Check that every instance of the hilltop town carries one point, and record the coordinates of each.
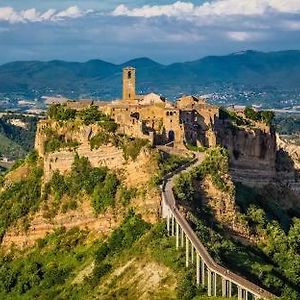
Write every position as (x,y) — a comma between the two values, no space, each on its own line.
(131,181)
(190,122)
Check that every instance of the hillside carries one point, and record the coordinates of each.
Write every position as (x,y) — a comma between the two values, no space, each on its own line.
(240,77)
(80,217)
(17,133)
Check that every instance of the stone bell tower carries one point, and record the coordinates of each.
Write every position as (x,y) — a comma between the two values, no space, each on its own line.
(129,84)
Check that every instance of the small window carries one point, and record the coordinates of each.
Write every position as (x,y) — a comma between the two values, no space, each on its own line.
(129,75)
(129,96)
(167,113)
(171,113)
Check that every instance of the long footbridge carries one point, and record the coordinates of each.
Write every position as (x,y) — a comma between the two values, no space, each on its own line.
(218,280)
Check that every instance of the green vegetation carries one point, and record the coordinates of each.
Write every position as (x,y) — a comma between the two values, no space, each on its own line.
(20,198)
(90,115)
(132,147)
(126,194)
(61,113)
(196,148)
(250,114)
(231,115)
(101,138)
(15,141)
(48,270)
(274,261)
(104,193)
(55,141)
(215,165)
(167,163)
(10,149)
(99,183)
(287,124)
(263,115)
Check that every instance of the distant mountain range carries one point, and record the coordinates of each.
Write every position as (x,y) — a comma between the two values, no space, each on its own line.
(264,73)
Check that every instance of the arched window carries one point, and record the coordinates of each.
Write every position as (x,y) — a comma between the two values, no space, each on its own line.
(129,75)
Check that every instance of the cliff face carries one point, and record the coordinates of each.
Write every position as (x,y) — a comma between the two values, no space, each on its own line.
(252,152)
(133,173)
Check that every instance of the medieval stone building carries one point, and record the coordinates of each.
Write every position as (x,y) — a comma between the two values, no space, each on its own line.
(188,120)
(191,120)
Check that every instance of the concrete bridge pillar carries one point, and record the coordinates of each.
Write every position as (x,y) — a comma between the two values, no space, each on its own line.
(177,235)
(197,269)
(240,293)
(202,272)
(173,225)
(168,224)
(215,283)
(192,253)
(208,283)
(186,251)
(246,295)
(224,287)
(229,289)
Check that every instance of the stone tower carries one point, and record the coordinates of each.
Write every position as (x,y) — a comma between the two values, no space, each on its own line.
(129,84)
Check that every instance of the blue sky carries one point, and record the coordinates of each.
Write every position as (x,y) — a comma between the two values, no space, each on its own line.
(166,31)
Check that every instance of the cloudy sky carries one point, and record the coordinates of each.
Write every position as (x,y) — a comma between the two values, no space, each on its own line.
(164,30)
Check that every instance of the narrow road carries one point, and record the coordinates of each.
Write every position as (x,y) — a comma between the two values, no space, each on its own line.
(200,248)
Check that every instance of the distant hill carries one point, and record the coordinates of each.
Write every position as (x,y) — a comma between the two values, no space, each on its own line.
(245,70)
(15,141)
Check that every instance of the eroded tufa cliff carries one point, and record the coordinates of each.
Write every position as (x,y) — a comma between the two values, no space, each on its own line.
(252,151)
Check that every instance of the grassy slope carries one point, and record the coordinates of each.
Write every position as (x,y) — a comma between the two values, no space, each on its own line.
(60,267)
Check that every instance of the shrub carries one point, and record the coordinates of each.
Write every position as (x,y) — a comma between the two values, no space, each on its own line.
(101,138)
(215,164)
(104,193)
(20,198)
(132,147)
(61,113)
(186,289)
(264,115)
(108,125)
(126,194)
(91,115)
(55,141)
(184,189)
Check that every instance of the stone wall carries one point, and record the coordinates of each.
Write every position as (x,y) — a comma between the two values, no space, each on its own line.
(62,161)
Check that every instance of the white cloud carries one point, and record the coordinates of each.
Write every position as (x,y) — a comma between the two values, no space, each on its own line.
(292,25)
(240,36)
(71,12)
(32,15)
(181,9)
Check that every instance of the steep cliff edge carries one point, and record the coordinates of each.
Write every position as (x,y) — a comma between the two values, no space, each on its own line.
(134,166)
(252,148)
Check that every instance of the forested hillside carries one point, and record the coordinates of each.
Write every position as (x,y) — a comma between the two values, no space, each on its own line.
(16,141)
(265,77)
(248,230)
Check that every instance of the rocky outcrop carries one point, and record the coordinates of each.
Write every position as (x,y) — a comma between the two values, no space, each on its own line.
(252,152)
(62,161)
(83,217)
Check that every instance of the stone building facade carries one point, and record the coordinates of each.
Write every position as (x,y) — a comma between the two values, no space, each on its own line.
(188,120)
(191,120)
